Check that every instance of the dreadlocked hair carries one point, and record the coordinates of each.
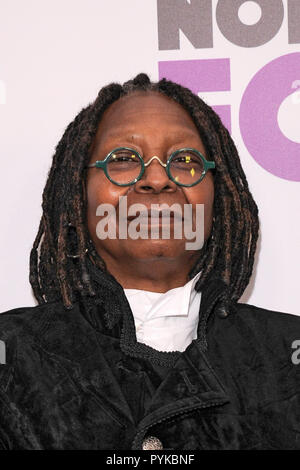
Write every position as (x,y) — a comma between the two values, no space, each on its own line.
(58,259)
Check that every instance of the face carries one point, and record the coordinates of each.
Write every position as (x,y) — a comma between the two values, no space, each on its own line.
(151,124)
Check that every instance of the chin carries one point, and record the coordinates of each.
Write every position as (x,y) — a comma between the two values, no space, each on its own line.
(160,248)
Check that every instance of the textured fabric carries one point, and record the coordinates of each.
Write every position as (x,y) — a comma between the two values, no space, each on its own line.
(78,379)
(166,321)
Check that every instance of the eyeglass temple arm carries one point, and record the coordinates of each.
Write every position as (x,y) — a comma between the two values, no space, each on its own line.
(97,164)
(210,165)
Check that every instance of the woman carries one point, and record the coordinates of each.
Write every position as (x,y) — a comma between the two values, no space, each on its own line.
(139,342)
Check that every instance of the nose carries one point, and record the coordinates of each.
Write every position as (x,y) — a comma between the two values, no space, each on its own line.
(155,178)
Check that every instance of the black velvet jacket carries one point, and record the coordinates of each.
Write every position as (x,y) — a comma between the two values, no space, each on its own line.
(78,379)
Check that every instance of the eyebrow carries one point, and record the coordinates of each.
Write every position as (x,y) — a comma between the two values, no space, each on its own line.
(129,133)
(180,133)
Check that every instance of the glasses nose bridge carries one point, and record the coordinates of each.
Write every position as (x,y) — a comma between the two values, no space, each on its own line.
(155,157)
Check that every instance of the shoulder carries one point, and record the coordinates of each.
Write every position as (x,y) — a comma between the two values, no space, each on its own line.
(34,340)
(48,329)
(254,314)
(266,326)
(27,321)
(49,326)
(258,342)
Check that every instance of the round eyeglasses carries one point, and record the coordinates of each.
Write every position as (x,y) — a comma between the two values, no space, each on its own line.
(124,166)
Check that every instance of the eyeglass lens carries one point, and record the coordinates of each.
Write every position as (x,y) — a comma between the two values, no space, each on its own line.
(123,166)
(186,167)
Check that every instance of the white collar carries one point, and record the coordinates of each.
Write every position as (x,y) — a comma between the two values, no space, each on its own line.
(174,302)
(166,321)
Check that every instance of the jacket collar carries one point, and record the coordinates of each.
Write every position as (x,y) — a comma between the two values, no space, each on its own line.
(189,384)
(114,313)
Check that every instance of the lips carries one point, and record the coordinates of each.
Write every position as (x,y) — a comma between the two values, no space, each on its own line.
(156,215)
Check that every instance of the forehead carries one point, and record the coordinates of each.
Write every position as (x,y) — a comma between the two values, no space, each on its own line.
(145,111)
(146,103)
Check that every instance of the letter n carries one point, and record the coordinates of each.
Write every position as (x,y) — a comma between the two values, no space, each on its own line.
(193,18)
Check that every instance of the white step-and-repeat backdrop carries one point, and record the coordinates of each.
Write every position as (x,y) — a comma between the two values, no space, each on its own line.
(242,57)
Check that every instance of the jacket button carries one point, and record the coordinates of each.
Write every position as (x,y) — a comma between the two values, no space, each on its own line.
(152,443)
(222,312)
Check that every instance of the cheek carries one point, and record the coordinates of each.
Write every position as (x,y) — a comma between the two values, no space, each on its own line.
(203,194)
(97,192)
(101,191)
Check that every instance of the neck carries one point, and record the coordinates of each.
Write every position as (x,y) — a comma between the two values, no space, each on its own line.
(154,275)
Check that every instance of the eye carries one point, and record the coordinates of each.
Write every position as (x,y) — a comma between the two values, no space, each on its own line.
(123,155)
(187,159)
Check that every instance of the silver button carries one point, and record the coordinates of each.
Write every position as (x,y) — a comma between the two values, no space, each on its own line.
(152,443)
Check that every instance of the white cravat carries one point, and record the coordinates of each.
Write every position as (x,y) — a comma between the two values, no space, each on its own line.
(166,321)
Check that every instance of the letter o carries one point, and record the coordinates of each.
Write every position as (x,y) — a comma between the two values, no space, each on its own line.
(249,35)
(258,117)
